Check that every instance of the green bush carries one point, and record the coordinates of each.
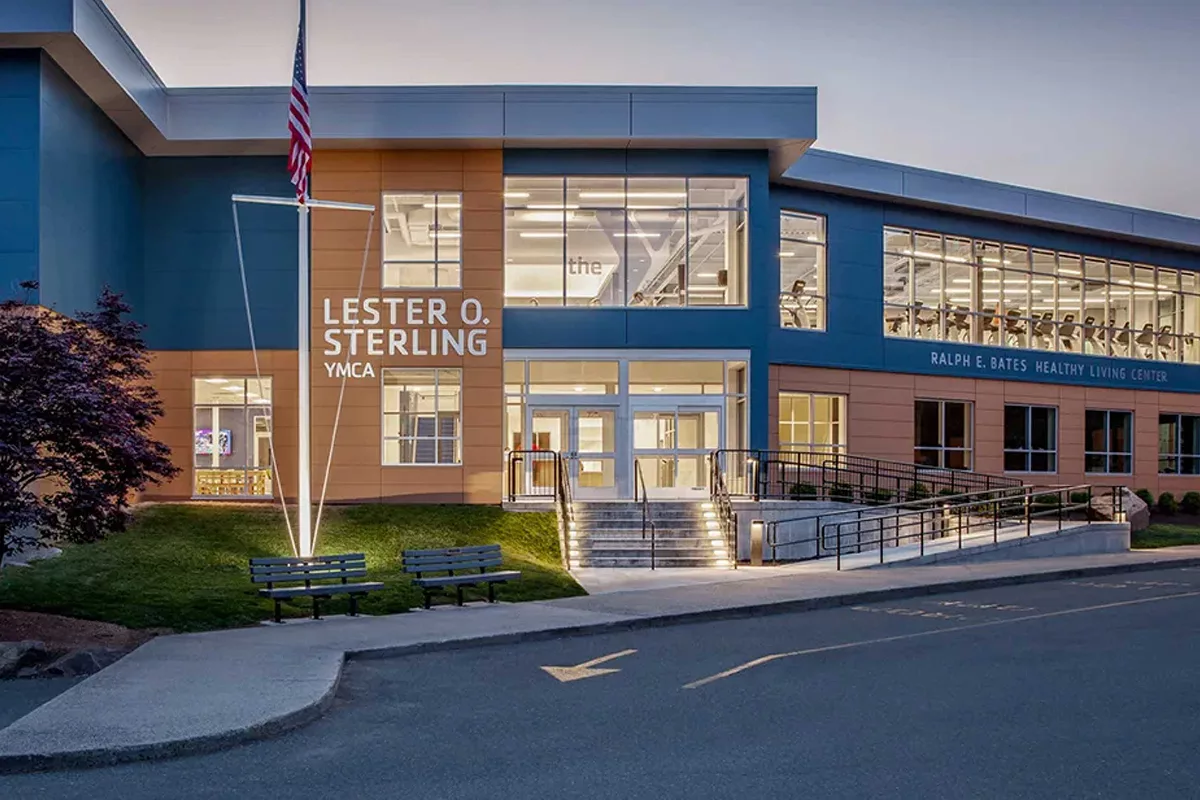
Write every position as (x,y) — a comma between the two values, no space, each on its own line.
(879,496)
(1047,500)
(1190,504)
(1146,497)
(948,492)
(1079,498)
(803,491)
(918,491)
(1167,504)
(841,491)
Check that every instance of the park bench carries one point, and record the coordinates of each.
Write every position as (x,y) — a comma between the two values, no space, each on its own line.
(317,574)
(465,566)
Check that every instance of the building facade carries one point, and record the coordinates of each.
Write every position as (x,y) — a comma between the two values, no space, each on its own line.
(635,277)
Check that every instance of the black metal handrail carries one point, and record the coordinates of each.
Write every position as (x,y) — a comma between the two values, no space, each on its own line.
(819,474)
(566,508)
(642,497)
(533,474)
(942,518)
(726,517)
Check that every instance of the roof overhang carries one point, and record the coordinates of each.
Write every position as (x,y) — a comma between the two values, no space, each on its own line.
(84,39)
(864,177)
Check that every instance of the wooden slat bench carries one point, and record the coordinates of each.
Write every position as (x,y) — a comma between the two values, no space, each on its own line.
(313,573)
(471,564)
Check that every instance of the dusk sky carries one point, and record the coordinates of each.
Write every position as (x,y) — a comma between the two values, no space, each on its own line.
(1099,98)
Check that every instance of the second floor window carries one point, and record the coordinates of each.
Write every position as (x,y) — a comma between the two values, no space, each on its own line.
(625,241)
(802,292)
(959,289)
(422,247)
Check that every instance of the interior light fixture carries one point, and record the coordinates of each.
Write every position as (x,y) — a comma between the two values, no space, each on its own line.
(516,195)
(215,380)
(543,235)
(450,204)
(641,195)
(552,206)
(637,235)
(579,388)
(445,235)
(658,388)
(786,254)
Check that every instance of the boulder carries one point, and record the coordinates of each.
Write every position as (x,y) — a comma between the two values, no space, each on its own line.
(78,663)
(15,656)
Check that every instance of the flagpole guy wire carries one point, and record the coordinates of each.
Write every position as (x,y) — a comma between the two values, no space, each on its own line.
(305,470)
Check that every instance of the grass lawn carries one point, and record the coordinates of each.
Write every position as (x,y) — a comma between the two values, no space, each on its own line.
(184,566)
(1161,535)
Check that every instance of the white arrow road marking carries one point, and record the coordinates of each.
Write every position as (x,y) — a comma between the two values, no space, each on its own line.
(587,669)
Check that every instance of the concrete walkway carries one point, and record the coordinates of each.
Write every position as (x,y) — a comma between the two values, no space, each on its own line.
(197,692)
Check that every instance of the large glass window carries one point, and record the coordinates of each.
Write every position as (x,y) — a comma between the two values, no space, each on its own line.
(959,289)
(802,292)
(231,449)
(422,416)
(422,247)
(812,422)
(616,241)
(942,434)
(1178,444)
(1108,442)
(1030,439)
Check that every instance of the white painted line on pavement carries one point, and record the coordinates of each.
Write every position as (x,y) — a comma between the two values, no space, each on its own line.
(848,645)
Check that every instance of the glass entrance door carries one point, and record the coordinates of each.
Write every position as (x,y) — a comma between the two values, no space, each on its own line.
(671,445)
(586,438)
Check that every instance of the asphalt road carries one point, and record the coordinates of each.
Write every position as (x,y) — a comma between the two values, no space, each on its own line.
(1075,689)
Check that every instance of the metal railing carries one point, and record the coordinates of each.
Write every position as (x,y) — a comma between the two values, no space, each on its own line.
(533,474)
(643,498)
(566,511)
(544,475)
(727,518)
(966,518)
(817,474)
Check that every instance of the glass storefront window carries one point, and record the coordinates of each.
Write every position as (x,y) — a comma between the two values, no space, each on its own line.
(422,240)
(422,410)
(616,241)
(1030,439)
(676,377)
(573,377)
(958,289)
(231,450)
(802,270)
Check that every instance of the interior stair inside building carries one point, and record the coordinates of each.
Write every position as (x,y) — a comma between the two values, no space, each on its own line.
(610,534)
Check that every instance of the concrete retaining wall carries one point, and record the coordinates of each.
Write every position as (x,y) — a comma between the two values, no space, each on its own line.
(1101,537)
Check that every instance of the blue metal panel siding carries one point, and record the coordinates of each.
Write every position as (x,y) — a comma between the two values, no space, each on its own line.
(90,227)
(855,340)
(193,291)
(718,328)
(18,170)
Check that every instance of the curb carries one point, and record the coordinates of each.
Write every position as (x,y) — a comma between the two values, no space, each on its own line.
(102,757)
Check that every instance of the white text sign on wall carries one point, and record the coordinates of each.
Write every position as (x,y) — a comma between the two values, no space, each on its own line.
(374,327)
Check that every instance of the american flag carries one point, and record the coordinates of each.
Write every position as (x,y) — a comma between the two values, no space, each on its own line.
(300,150)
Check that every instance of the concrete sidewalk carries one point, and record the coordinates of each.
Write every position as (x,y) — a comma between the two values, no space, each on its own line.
(198,692)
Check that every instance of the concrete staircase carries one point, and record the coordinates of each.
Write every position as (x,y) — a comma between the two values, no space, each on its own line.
(609,534)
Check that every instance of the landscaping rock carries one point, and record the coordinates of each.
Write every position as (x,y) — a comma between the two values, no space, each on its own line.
(14,656)
(78,663)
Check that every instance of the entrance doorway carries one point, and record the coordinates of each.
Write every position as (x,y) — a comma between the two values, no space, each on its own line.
(587,439)
(611,414)
(671,445)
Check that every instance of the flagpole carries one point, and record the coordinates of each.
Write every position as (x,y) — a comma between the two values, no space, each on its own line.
(304,346)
